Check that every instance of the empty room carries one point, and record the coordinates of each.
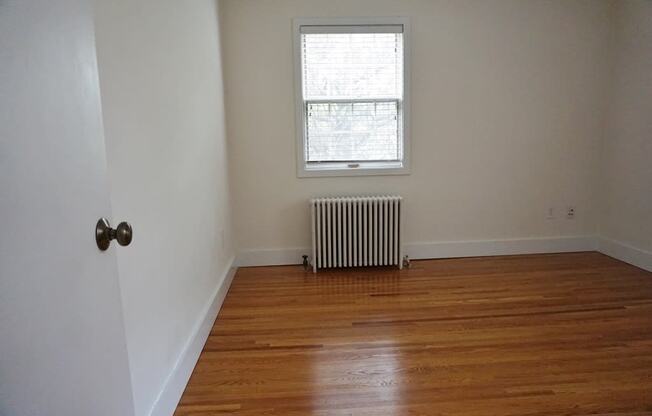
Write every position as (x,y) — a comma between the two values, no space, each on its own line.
(326,207)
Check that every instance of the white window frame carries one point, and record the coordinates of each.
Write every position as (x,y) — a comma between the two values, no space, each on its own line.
(347,169)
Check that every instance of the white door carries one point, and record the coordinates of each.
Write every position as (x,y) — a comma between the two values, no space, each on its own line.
(62,339)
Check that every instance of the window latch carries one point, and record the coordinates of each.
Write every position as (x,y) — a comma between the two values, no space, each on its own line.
(353,165)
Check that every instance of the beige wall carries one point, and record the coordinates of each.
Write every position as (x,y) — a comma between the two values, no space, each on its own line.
(161,82)
(507,109)
(627,153)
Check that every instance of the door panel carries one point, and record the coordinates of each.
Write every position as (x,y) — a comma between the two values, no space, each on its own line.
(62,339)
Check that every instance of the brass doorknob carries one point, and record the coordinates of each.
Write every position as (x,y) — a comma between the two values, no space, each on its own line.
(123,234)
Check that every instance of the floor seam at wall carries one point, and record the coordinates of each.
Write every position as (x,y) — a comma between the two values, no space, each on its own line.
(626,252)
(440,249)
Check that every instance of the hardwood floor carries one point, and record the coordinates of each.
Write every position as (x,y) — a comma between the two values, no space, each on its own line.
(556,334)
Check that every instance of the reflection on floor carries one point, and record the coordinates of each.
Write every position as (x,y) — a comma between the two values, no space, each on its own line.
(547,334)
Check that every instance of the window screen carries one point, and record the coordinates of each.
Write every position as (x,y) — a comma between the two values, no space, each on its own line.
(352,85)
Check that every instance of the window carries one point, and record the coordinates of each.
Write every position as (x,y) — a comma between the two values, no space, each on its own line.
(352,102)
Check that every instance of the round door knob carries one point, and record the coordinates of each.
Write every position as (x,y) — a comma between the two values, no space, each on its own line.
(123,234)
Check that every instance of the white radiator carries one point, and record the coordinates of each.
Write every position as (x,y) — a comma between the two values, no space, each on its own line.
(356,231)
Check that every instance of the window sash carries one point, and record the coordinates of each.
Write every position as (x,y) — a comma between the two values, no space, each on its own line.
(371,28)
(398,140)
(351,58)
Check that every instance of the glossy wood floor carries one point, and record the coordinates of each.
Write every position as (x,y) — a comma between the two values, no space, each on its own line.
(560,334)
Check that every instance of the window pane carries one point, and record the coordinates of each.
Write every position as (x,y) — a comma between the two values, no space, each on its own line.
(352,65)
(353,131)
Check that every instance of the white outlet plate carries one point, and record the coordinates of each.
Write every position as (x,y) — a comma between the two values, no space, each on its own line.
(570,212)
(550,215)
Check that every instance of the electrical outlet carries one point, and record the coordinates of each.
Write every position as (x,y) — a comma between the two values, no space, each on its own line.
(570,212)
(551,213)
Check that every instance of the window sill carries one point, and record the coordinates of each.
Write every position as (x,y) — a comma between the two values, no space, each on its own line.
(343,169)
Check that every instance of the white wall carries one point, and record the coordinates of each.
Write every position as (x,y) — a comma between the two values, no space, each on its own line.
(627,153)
(162,99)
(508,103)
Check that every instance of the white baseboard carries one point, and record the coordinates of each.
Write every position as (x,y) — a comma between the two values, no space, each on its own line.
(437,250)
(168,399)
(450,249)
(625,252)
(272,257)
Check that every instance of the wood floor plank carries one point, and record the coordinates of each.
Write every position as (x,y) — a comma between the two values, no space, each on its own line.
(553,334)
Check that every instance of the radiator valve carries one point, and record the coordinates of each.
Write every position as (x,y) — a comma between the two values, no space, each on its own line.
(406,262)
(306,263)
